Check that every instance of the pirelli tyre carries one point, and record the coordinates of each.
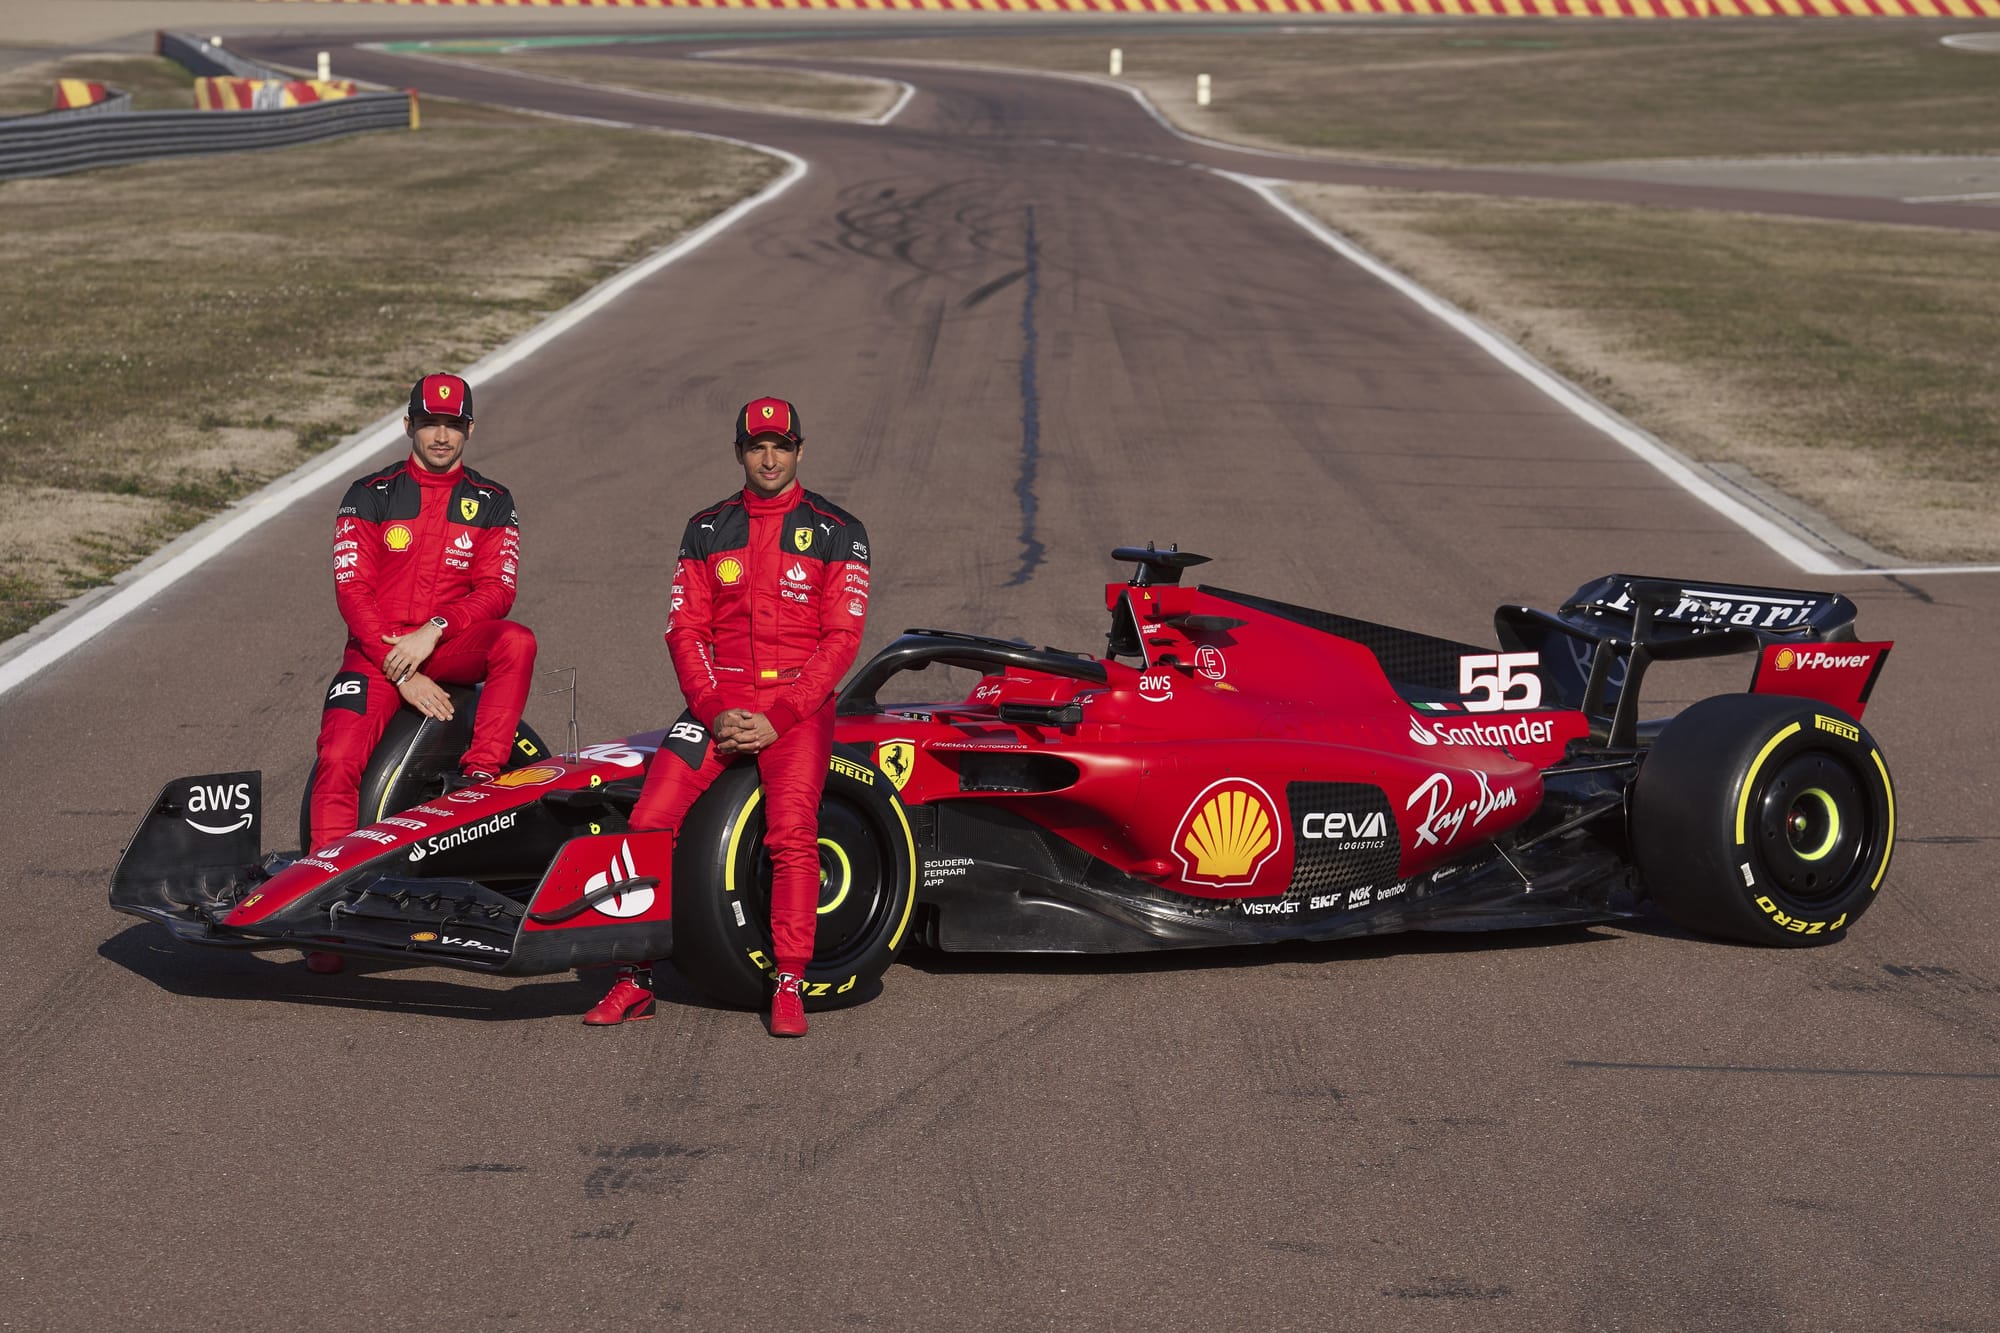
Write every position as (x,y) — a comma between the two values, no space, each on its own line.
(722,888)
(1764,818)
(413,758)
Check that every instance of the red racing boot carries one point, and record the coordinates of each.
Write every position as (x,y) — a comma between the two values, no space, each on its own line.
(630,999)
(788,1009)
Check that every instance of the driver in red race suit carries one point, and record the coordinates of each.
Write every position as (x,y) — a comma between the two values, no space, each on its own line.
(769,601)
(424,561)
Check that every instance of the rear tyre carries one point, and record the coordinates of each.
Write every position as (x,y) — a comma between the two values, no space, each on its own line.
(722,889)
(1764,818)
(414,757)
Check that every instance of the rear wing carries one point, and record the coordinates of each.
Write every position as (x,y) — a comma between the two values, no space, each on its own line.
(1595,648)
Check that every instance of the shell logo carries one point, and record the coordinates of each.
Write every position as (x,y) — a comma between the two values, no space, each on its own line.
(528,777)
(1787,659)
(424,937)
(729,571)
(1229,831)
(397,537)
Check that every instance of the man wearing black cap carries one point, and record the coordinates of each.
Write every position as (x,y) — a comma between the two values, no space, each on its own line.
(769,601)
(425,555)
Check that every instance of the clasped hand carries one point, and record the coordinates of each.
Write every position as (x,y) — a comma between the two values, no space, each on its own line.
(740,731)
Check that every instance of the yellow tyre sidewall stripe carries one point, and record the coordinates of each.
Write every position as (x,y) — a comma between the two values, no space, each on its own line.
(729,884)
(1889,841)
(1750,778)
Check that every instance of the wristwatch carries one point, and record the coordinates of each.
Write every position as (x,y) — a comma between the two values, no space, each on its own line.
(441,623)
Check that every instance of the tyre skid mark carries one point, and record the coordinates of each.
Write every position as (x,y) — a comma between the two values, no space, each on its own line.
(1031,414)
(1803,1070)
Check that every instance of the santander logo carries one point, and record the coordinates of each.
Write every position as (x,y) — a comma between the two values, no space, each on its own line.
(633,902)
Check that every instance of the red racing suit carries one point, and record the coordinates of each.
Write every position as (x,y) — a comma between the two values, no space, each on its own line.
(409,544)
(769,601)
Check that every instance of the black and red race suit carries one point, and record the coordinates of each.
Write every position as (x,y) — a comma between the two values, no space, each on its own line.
(409,544)
(769,601)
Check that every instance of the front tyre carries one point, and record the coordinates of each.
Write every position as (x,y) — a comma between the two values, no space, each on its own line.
(722,889)
(1764,818)
(416,754)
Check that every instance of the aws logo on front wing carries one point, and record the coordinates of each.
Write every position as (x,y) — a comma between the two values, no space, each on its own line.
(1229,831)
(226,807)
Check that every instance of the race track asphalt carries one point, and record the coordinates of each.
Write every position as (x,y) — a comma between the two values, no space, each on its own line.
(1605,1128)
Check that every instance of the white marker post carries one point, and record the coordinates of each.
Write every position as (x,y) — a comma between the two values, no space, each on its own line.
(325,67)
(1201,90)
(1117,61)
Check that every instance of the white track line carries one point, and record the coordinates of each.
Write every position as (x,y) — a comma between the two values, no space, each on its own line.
(1099,81)
(1884,571)
(648,95)
(1949,198)
(751,53)
(1773,528)
(69,630)
(1776,532)
(1766,526)
(1770,527)
(1593,413)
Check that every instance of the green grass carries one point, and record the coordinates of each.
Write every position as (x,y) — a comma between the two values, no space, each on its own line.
(1549,92)
(149,375)
(23,601)
(1849,365)
(156,84)
(823,94)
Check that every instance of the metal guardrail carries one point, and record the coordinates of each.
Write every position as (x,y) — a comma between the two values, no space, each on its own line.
(105,141)
(55,143)
(117,104)
(208,60)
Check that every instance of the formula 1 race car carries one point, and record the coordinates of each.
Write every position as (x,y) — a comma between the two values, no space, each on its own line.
(1232,770)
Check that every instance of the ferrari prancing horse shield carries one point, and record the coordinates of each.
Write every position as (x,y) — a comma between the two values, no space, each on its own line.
(897,759)
(802,538)
(468,509)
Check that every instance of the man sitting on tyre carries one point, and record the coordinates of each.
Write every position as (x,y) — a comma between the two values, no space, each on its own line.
(425,555)
(769,601)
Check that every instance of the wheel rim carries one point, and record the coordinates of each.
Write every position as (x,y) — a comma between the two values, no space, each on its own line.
(836,876)
(1812,828)
(856,892)
(1813,824)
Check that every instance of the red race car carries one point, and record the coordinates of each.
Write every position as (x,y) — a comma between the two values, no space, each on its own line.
(1232,770)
